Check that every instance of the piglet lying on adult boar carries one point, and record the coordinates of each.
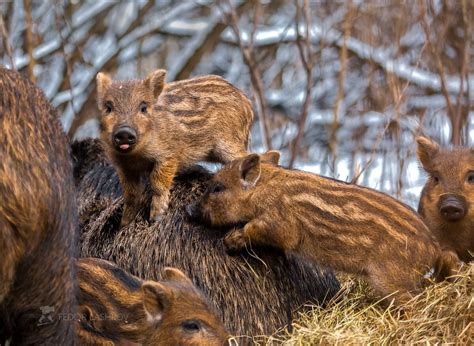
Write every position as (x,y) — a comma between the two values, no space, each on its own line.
(344,226)
(254,295)
(446,202)
(37,218)
(117,307)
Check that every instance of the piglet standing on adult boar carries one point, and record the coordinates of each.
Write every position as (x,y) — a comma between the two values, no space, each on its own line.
(343,226)
(155,129)
(446,202)
(37,218)
(116,307)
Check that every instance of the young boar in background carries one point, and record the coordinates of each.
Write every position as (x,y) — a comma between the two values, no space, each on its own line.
(340,225)
(154,129)
(37,218)
(446,202)
(116,307)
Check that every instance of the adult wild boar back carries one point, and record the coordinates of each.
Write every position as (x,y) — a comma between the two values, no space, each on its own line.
(37,218)
(254,294)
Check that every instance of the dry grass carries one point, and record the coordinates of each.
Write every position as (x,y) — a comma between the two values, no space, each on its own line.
(442,314)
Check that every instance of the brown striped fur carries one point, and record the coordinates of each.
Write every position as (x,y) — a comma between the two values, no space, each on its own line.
(450,183)
(337,224)
(37,217)
(118,308)
(204,118)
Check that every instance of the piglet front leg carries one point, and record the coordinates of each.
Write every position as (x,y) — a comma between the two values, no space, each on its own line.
(262,231)
(132,189)
(161,180)
(253,233)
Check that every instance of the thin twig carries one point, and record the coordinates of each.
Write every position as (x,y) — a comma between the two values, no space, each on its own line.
(305,52)
(29,39)
(256,79)
(67,61)
(441,72)
(6,42)
(340,86)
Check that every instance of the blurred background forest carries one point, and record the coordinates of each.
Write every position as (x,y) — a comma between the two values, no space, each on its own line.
(340,87)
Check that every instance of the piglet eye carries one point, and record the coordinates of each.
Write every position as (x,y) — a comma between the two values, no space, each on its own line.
(217,188)
(470,177)
(108,107)
(191,326)
(143,107)
(435,179)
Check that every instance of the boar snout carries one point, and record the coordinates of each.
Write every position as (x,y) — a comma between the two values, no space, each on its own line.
(452,207)
(124,138)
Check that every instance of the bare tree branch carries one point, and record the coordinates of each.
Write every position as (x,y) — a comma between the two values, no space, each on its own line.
(6,42)
(54,45)
(256,79)
(304,49)
(29,39)
(347,26)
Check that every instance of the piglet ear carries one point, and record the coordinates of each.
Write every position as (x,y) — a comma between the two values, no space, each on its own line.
(103,83)
(156,82)
(173,274)
(156,298)
(427,150)
(271,156)
(250,170)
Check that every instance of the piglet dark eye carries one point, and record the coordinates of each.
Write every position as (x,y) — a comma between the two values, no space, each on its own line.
(191,326)
(108,107)
(217,188)
(470,177)
(435,178)
(143,107)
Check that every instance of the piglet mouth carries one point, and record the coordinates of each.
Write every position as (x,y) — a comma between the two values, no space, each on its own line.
(124,147)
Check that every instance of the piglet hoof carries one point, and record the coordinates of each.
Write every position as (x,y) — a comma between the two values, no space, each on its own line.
(127,217)
(157,215)
(156,218)
(124,223)
(159,205)
(235,241)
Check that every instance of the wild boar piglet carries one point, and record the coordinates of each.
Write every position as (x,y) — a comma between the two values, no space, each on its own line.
(117,307)
(446,202)
(153,129)
(344,226)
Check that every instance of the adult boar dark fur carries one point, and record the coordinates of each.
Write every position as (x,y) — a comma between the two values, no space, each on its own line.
(254,295)
(37,218)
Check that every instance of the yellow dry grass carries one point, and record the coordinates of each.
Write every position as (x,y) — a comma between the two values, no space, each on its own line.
(442,314)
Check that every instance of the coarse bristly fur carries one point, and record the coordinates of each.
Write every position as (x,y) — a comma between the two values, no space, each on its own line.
(447,199)
(155,129)
(255,294)
(37,218)
(344,226)
(116,307)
